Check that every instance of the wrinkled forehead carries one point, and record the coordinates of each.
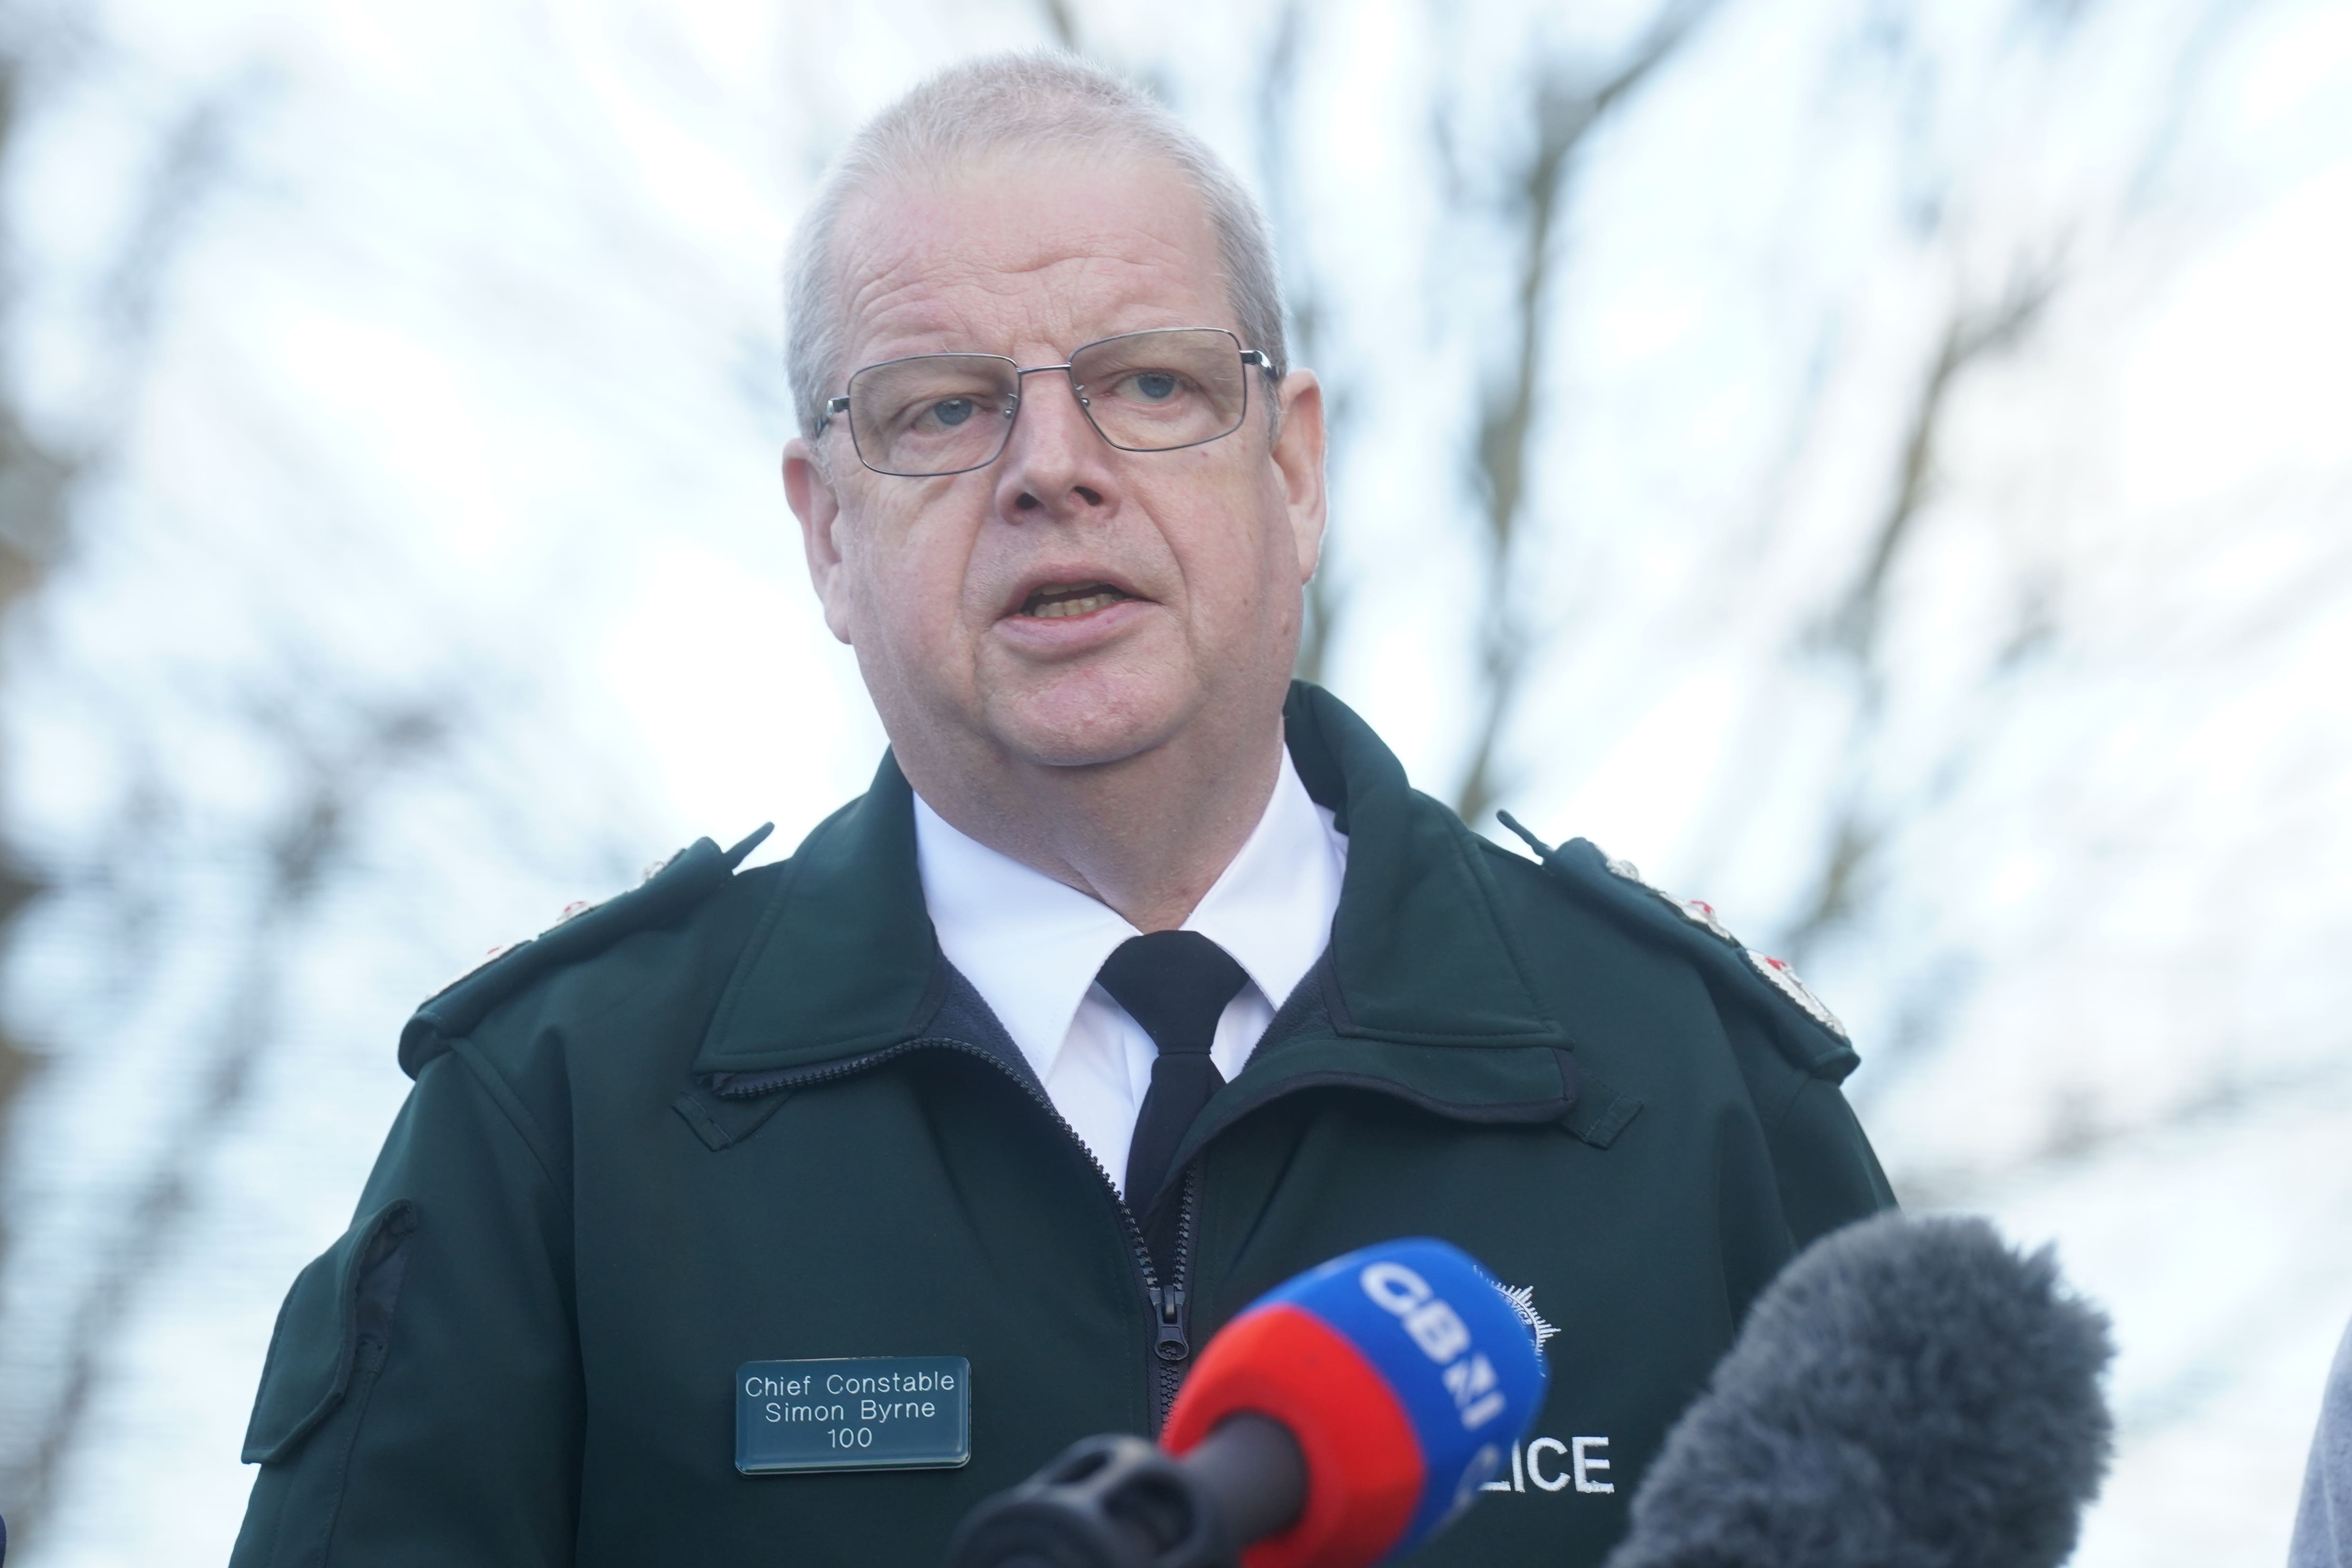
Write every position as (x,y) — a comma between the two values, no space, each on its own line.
(1027,254)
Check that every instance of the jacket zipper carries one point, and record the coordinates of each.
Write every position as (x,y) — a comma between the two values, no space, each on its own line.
(1170,1303)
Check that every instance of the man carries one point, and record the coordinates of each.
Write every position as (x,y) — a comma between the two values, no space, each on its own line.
(1137,982)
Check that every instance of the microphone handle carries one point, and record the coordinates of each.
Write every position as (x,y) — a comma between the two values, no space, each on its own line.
(1120,1502)
(1252,1470)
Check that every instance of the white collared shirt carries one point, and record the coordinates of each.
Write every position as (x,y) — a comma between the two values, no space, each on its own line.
(1032,946)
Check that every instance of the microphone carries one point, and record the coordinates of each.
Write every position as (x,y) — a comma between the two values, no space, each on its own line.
(1340,1420)
(1907,1392)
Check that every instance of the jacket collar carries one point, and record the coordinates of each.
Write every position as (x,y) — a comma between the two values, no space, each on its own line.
(843,960)
(1419,953)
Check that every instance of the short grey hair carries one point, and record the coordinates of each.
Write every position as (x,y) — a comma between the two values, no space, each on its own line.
(1038,100)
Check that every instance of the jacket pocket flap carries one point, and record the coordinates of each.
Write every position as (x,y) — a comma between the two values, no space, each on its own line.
(343,1299)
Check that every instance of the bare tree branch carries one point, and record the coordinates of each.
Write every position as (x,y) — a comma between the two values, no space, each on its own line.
(1062,18)
(1305,297)
(2079,1135)
(38,479)
(36,482)
(192,159)
(300,850)
(1976,332)
(1566,106)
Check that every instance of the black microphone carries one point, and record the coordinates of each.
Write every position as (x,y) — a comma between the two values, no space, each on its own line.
(1907,1392)
(1123,1503)
(1340,1420)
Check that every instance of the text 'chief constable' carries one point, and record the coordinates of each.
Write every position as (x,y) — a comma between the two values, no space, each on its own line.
(777,1217)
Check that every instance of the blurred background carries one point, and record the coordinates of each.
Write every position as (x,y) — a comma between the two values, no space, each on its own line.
(1883,465)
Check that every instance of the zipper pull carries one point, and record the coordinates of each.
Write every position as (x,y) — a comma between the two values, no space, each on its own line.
(1170,1343)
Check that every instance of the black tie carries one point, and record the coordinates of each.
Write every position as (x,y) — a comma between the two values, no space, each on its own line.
(1176,984)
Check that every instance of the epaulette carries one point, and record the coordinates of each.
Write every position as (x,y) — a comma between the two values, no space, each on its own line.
(669,890)
(1808,1033)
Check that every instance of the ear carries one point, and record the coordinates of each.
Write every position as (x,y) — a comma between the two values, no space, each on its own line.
(1299,457)
(818,506)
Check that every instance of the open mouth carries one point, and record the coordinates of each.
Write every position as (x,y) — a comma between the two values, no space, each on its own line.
(1058,601)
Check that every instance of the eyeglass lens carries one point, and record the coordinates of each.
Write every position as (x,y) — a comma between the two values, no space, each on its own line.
(1144,391)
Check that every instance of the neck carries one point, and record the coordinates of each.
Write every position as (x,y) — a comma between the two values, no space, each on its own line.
(1148,835)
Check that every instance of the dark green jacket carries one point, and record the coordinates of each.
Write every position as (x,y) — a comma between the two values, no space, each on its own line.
(729,1118)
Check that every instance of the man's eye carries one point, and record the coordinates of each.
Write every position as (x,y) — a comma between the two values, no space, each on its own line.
(1152,385)
(953,411)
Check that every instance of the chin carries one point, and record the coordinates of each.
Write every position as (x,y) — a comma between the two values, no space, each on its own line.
(1080,719)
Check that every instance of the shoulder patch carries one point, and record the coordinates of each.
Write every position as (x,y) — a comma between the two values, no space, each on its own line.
(1813,1038)
(669,890)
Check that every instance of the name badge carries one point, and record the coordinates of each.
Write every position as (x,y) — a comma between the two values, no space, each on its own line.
(860,1413)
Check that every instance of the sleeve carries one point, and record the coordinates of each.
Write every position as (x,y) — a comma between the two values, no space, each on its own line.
(420,1402)
(1829,1175)
(1824,1173)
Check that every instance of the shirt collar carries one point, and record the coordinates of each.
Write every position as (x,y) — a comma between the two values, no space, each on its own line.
(1031,946)
(840,958)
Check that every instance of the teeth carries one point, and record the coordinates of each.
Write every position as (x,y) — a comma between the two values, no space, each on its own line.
(1060,608)
(1056,603)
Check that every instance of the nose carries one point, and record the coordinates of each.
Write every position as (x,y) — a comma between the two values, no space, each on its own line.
(1054,468)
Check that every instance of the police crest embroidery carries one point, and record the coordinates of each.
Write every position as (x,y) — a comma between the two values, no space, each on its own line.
(1522,1298)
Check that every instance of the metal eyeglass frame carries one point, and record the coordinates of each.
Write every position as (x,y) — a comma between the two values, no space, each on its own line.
(838,407)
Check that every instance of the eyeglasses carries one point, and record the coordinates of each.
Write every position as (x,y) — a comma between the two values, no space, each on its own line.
(931,415)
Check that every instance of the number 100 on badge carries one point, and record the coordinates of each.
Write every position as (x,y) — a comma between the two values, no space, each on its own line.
(860,1413)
